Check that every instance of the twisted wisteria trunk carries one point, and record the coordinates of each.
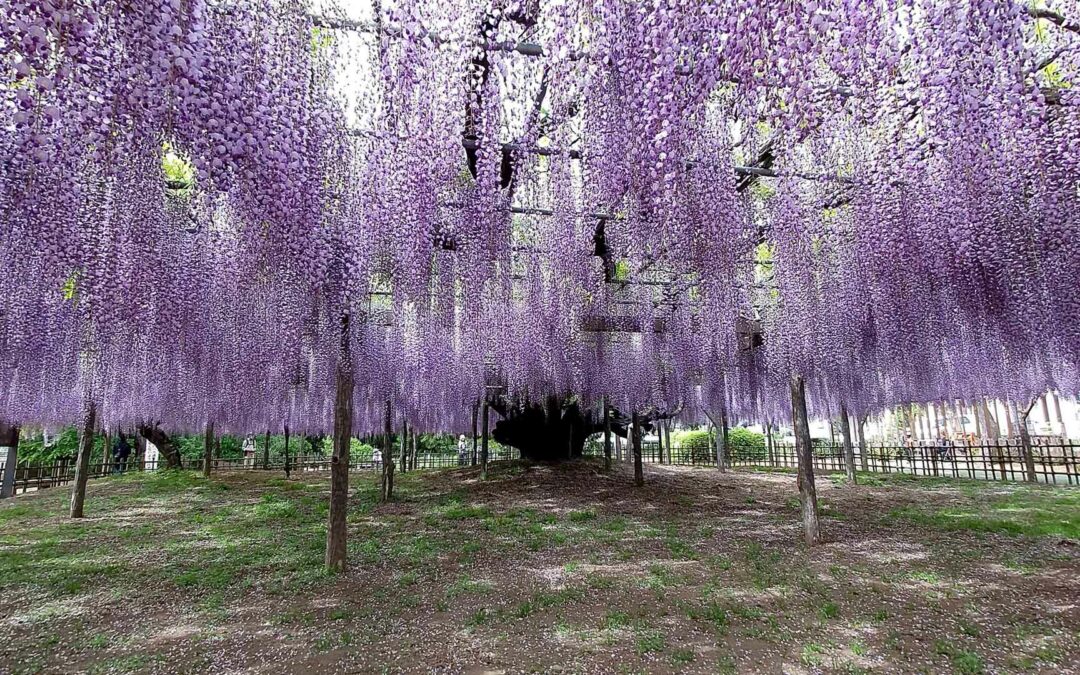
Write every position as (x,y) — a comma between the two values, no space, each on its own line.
(336,530)
(164,443)
(9,447)
(82,460)
(554,430)
(805,452)
(386,484)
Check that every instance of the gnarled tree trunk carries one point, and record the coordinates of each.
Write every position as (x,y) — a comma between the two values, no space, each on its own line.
(336,530)
(164,444)
(82,462)
(386,492)
(805,451)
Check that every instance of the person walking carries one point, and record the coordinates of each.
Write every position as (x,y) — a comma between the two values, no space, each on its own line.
(121,450)
(462,451)
(376,459)
(249,452)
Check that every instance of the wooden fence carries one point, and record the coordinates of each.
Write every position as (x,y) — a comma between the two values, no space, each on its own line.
(1055,463)
(43,476)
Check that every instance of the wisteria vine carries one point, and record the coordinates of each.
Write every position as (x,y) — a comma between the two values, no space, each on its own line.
(673,205)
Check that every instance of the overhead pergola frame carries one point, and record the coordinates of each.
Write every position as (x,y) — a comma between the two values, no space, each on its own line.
(761,166)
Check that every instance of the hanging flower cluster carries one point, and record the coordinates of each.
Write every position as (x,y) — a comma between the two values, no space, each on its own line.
(674,205)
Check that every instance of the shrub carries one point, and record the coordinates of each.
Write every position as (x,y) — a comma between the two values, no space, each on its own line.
(746,445)
(696,446)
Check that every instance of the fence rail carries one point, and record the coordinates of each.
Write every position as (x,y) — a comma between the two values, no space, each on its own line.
(43,476)
(1055,463)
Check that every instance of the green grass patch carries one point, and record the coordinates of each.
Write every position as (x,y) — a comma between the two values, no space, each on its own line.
(968,663)
(649,643)
(1023,510)
(582,516)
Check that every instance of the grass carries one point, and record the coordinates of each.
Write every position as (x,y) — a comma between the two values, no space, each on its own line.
(650,642)
(812,654)
(464,585)
(614,620)
(454,558)
(1032,511)
(968,663)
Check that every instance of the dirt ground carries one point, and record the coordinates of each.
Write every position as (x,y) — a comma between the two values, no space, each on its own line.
(543,569)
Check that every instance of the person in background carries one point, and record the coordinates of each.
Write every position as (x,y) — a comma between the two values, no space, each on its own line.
(249,452)
(376,459)
(121,450)
(462,451)
(943,446)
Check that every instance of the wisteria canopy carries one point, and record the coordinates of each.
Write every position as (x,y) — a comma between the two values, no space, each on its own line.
(670,203)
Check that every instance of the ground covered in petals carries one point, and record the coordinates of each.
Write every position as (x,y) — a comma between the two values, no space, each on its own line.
(542,569)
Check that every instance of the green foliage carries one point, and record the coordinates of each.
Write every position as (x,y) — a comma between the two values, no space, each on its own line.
(699,445)
(70,289)
(34,450)
(746,445)
(696,445)
(1031,511)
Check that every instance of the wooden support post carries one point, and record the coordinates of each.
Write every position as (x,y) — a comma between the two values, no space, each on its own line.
(769,445)
(266,451)
(386,492)
(861,433)
(607,435)
(475,430)
(208,449)
(339,462)
(635,434)
(660,441)
(106,452)
(1025,439)
(484,445)
(849,448)
(140,449)
(82,464)
(9,447)
(404,447)
(805,452)
(667,440)
(288,465)
(1057,415)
